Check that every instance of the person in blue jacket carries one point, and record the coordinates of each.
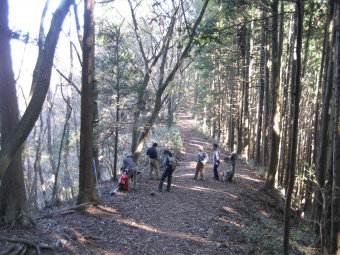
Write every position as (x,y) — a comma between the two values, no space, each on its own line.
(153,161)
(167,171)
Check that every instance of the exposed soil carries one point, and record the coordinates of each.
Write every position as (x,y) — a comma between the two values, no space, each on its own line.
(195,217)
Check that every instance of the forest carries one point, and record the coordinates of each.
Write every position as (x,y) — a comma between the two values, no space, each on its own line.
(86,83)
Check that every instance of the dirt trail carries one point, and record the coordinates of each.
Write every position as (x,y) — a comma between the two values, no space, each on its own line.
(196,217)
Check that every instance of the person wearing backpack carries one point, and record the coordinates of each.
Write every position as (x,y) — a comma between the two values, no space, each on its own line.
(202,159)
(168,170)
(153,161)
(216,160)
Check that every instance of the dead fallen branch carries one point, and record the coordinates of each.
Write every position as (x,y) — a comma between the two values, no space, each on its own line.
(68,210)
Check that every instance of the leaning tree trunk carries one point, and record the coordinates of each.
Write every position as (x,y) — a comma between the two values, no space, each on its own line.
(12,189)
(87,185)
(41,82)
(164,82)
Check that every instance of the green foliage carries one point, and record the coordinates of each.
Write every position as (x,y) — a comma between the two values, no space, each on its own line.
(166,138)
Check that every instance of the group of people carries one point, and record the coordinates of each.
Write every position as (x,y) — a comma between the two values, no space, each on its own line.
(130,167)
(202,159)
(154,166)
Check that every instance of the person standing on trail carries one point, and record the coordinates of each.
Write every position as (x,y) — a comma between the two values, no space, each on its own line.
(167,171)
(153,161)
(202,159)
(216,160)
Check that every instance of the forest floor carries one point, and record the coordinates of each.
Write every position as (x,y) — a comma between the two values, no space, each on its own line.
(195,217)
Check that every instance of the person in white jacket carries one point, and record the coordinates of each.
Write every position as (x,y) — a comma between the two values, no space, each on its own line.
(202,159)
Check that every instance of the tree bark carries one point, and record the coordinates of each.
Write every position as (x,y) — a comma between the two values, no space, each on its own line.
(335,231)
(87,186)
(274,104)
(265,122)
(261,95)
(12,189)
(335,209)
(323,137)
(295,99)
(41,82)
(118,73)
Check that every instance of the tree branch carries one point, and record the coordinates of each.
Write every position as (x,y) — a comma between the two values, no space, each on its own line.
(68,80)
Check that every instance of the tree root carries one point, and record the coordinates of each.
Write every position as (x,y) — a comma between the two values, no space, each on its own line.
(21,241)
(68,210)
(10,250)
(23,219)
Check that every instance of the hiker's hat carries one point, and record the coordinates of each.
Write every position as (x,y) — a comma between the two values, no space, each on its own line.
(166,152)
(155,145)
(201,148)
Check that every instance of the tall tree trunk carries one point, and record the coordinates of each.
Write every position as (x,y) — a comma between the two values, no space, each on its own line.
(283,176)
(41,82)
(231,123)
(261,95)
(117,108)
(37,164)
(325,115)
(87,186)
(12,189)
(274,104)
(295,99)
(335,230)
(96,135)
(265,122)
(55,191)
(245,121)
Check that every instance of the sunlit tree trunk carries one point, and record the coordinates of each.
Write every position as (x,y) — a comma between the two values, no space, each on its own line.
(261,95)
(294,117)
(274,103)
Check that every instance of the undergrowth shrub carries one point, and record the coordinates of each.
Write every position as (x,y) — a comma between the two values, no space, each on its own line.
(166,138)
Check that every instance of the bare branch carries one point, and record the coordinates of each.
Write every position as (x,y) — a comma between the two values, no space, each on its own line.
(68,80)
(104,2)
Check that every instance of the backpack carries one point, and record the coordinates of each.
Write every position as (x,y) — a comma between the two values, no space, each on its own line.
(204,157)
(172,164)
(123,182)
